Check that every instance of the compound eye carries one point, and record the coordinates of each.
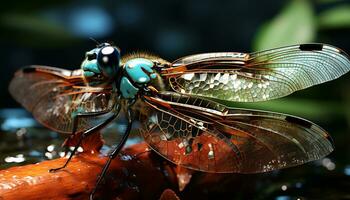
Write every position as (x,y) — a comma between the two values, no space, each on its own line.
(108,58)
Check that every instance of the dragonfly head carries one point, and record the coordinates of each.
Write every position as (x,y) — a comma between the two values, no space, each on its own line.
(103,61)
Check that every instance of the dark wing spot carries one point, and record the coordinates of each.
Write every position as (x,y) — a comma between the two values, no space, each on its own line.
(298,121)
(188,149)
(311,47)
(199,146)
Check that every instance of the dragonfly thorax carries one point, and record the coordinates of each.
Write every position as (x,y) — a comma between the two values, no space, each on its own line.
(137,73)
(102,66)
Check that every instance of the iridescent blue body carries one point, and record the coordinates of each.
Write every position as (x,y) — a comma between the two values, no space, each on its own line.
(136,72)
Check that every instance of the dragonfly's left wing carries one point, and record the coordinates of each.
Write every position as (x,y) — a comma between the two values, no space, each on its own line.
(257,76)
(55,95)
(207,136)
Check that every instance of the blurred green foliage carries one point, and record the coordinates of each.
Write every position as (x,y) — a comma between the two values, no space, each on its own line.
(295,24)
(308,108)
(298,23)
(337,17)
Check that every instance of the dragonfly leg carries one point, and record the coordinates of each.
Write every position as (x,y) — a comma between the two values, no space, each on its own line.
(114,153)
(76,122)
(87,132)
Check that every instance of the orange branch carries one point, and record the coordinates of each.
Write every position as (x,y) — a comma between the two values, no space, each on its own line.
(137,173)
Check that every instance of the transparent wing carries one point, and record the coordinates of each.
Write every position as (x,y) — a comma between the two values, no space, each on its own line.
(177,138)
(55,95)
(257,76)
(207,136)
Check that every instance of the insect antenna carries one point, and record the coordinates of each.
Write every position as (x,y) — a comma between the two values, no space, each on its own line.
(94,40)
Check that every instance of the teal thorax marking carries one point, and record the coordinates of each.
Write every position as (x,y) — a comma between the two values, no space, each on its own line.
(140,71)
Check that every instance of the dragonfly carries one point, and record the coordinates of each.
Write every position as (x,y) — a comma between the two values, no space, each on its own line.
(178,104)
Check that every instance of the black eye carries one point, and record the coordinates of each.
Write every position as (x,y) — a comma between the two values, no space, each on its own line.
(108,56)
(91,56)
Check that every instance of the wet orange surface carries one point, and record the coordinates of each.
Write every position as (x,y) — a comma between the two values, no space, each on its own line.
(128,178)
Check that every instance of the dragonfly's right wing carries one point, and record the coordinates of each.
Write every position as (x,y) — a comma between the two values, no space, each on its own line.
(207,136)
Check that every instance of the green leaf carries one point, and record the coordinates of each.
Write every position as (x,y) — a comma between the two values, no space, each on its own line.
(294,25)
(337,17)
(311,109)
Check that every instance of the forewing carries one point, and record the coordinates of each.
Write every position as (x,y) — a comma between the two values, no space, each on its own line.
(257,76)
(207,136)
(55,95)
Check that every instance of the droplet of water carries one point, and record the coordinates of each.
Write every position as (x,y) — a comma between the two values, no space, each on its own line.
(126,157)
(17,159)
(50,148)
(284,187)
